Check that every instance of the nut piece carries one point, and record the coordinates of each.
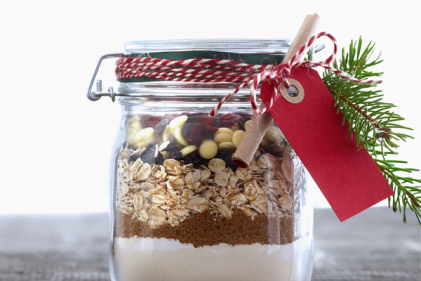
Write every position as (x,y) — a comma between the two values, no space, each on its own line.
(216,165)
(237,136)
(208,149)
(178,122)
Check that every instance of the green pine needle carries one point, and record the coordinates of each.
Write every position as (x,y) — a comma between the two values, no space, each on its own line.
(375,123)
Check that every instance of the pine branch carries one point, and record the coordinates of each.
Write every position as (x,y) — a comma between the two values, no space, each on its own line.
(376,126)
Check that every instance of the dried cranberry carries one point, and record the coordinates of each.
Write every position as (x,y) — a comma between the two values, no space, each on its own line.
(243,121)
(209,131)
(185,130)
(196,134)
(216,121)
(170,117)
(174,154)
(149,120)
(195,159)
(160,127)
(206,120)
(194,119)
(228,120)
(226,155)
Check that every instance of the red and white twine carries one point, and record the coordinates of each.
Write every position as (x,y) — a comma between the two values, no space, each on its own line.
(216,70)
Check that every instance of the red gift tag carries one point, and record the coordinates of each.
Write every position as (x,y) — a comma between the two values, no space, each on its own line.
(349,179)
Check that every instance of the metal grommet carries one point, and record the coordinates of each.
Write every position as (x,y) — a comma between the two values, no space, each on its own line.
(295,96)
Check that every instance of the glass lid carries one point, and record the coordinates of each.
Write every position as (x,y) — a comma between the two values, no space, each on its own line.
(241,46)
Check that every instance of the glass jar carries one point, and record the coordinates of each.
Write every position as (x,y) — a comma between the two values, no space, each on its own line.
(180,208)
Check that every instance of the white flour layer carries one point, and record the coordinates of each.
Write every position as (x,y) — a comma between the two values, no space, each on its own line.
(152,259)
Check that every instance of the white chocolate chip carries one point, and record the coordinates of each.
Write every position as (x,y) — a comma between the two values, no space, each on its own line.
(146,142)
(177,122)
(131,139)
(135,119)
(222,137)
(179,137)
(224,130)
(208,149)
(237,136)
(187,150)
(131,131)
(226,145)
(247,124)
(144,134)
(135,126)
(166,134)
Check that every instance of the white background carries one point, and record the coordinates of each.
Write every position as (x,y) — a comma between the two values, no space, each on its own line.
(56,144)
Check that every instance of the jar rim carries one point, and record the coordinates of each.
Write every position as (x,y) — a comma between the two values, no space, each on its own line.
(232,45)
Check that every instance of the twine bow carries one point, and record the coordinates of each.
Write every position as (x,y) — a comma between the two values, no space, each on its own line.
(215,70)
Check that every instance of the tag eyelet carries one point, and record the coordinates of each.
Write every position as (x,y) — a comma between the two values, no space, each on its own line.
(299,97)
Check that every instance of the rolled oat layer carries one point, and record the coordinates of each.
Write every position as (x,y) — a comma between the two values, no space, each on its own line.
(208,204)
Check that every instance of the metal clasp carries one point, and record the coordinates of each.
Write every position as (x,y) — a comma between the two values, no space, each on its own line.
(94,96)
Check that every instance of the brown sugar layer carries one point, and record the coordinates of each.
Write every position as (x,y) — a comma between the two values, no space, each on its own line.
(206,229)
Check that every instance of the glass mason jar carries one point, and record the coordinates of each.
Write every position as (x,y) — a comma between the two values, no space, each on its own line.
(180,208)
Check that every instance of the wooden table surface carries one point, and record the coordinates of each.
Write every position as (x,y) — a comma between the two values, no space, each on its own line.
(374,245)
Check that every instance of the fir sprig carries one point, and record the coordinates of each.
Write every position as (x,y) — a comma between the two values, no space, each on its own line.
(377,127)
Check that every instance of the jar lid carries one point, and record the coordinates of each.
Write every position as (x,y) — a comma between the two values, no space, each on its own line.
(250,51)
(239,46)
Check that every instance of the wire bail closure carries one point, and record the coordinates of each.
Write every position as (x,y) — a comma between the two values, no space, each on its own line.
(96,95)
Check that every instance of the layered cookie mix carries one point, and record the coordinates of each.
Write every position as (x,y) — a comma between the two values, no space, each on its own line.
(179,189)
